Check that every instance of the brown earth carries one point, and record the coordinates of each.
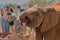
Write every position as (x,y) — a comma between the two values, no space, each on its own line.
(12,36)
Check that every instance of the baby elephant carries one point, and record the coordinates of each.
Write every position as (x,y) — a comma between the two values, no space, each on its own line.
(45,20)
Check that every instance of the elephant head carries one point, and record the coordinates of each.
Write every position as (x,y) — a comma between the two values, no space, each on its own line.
(32,16)
(39,17)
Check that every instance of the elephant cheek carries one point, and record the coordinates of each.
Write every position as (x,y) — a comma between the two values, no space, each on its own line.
(38,21)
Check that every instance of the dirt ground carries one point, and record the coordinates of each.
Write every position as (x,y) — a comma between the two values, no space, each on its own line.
(14,36)
(11,36)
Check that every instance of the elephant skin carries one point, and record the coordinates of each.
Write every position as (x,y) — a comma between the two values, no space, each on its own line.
(45,20)
(56,6)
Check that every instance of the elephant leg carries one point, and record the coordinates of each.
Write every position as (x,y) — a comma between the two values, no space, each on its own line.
(39,35)
(50,35)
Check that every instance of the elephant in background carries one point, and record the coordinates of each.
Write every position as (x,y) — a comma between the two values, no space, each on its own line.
(45,21)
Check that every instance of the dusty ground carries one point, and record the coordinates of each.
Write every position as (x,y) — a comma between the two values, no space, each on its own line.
(13,36)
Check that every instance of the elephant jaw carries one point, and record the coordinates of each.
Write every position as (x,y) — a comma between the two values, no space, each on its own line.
(35,23)
(31,21)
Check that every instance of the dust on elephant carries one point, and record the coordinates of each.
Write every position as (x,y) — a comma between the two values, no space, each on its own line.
(45,21)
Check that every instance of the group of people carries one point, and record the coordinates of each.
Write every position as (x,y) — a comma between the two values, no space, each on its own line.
(10,21)
(8,17)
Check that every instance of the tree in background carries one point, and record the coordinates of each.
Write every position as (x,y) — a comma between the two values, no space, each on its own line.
(41,2)
(11,5)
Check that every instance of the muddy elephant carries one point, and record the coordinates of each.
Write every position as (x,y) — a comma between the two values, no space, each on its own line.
(45,21)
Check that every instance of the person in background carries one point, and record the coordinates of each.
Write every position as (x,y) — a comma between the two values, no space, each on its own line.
(18,11)
(22,9)
(12,12)
(12,19)
(5,22)
(8,8)
(1,11)
(17,26)
(17,22)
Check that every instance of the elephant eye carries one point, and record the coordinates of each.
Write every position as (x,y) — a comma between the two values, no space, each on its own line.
(35,13)
(27,20)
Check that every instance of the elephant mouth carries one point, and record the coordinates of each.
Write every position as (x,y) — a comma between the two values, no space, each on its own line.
(28,21)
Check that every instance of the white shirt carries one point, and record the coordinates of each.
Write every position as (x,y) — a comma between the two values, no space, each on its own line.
(18,14)
(13,14)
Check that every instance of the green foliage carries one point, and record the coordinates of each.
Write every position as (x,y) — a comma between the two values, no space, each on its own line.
(40,2)
(11,5)
(43,2)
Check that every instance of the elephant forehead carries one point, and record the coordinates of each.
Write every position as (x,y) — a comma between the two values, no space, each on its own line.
(23,14)
(33,9)
(23,17)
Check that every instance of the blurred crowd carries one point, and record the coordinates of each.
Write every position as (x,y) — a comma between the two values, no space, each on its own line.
(9,18)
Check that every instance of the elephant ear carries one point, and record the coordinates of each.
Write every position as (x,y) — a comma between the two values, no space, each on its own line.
(51,19)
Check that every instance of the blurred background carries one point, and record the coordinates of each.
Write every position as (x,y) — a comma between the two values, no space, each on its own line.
(26,3)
